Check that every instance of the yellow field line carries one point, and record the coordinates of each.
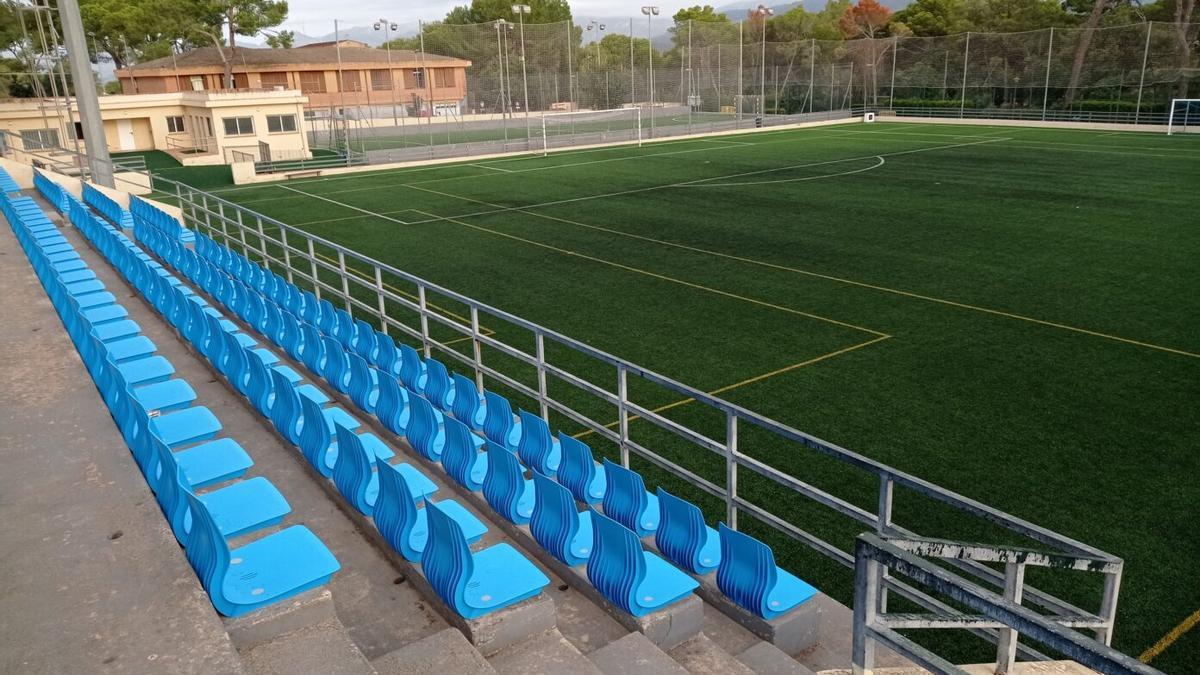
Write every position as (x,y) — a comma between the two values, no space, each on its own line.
(1170,638)
(751,380)
(851,282)
(656,275)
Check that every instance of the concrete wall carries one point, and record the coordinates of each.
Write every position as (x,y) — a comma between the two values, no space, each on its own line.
(887,116)
(22,173)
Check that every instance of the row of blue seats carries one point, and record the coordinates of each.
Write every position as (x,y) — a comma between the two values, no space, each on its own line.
(53,192)
(437,411)
(172,441)
(140,209)
(107,206)
(8,185)
(397,496)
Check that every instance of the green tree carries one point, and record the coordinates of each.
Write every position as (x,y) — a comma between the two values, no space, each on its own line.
(10,26)
(925,18)
(484,11)
(284,39)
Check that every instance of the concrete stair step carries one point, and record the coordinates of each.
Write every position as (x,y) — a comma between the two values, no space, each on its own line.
(765,657)
(702,656)
(635,654)
(321,648)
(549,653)
(447,651)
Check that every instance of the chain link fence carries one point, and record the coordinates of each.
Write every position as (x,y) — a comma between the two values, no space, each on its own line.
(715,76)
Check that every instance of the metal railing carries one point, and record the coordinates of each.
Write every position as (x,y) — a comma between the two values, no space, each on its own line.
(187,144)
(907,557)
(135,163)
(347,158)
(370,288)
(1030,114)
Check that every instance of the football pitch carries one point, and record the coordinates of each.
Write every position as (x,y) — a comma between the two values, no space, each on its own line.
(1012,313)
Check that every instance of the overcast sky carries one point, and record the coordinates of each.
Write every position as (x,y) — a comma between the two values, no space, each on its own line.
(315,17)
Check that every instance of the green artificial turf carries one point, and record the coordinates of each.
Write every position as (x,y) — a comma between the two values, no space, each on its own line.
(1007,312)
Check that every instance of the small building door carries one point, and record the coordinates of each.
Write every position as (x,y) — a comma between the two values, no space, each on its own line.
(125,139)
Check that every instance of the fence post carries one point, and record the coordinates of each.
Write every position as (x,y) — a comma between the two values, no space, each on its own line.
(1108,605)
(962,104)
(1006,644)
(287,254)
(312,261)
(623,413)
(345,281)
(383,324)
(477,348)
(424,309)
(262,242)
(731,469)
(883,526)
(1046,86)
(866,588)
(892,91)
(540,345)
(812,77)
(1137,114)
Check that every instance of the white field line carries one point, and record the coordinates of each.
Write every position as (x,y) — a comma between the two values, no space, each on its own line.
(791,180)
(490,168)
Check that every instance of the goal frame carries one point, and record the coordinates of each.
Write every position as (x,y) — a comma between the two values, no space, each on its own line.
(546,140)
(1171,113)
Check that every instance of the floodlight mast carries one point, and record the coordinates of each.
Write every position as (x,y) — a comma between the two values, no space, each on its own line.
(521,11)
(387,27)
(763,11)
(650,11)
(85,94)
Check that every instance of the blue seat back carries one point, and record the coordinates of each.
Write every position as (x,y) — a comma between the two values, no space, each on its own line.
(353,470)
(466,402)
(326,316)
(536,443)
(206,548)
(411,369)
(447,561)
(364,339)
(681,533)
(285,411)
(555,521)
(343,328)
(259,385)
(314,349)
(391,405)
(362,379)
(747,572)
(459,454)
(290,337)
(337,366)
(499,421)
(386,355)
(395,511)
(422,432)
(577,469)
(439,389)
(315,436)
(625,496)
(504,484)
(617,565)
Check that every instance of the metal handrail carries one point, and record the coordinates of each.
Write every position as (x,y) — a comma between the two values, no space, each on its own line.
(297,257)
(873,554)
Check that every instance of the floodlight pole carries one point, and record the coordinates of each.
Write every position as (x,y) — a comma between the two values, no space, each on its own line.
(387,43)
(521,11)
(764,12)
(85,94)
(650,11)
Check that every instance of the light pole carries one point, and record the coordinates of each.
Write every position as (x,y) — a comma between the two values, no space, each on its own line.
(596,29)
(763,11)
(387,27)
(650,11)
(521,11)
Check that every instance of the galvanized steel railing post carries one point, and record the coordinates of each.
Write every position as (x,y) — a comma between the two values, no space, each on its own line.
(287,255)
(477,348)
(1006,644)
(312,262)
(731,469)
(623,412)
(379,293)
(883,526)
(424,310)
(1108,605)
(540,345)
(345,274)
(866,590)
(262,242)
(241,228)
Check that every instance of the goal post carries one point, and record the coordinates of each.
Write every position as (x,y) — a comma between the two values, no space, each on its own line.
(591,127)
(1183,116)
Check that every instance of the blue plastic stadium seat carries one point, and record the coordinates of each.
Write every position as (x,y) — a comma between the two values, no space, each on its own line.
(317,443)
(505,486)
(391,407)
(749,576)
(424,430)
(363,383)
(474,585)
(537,448)
(401,523)
(189,425)
(579,473)
(468,403)
(116,330)
(145,370)
(558,525)
(627,502)
(364,340)
(354,472)
(213,462)
(683,537)
(461,456)
(439,388)
(100,315)
(260,573)
(412,369)
(630,577)
(499,424)
(387,357)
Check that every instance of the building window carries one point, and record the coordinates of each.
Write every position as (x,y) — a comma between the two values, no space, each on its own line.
(208,123)
(238,126)
(281,123)
(414,79)
(273,80)
(443,77)
(351,81)
(39,139)
(197,82)
(381,80)
(312,82)
(175,125)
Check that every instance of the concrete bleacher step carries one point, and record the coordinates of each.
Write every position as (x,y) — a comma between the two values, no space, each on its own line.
(548,653)
(321,648)
(702,656)
(447,651)
(635,654)
(765,657)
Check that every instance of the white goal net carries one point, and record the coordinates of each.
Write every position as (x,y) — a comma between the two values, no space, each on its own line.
(1184,116)
(591,127)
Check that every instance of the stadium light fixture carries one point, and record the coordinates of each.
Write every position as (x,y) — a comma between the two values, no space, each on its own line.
(387,27)
(521,11)
(763,11)
(650,11)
